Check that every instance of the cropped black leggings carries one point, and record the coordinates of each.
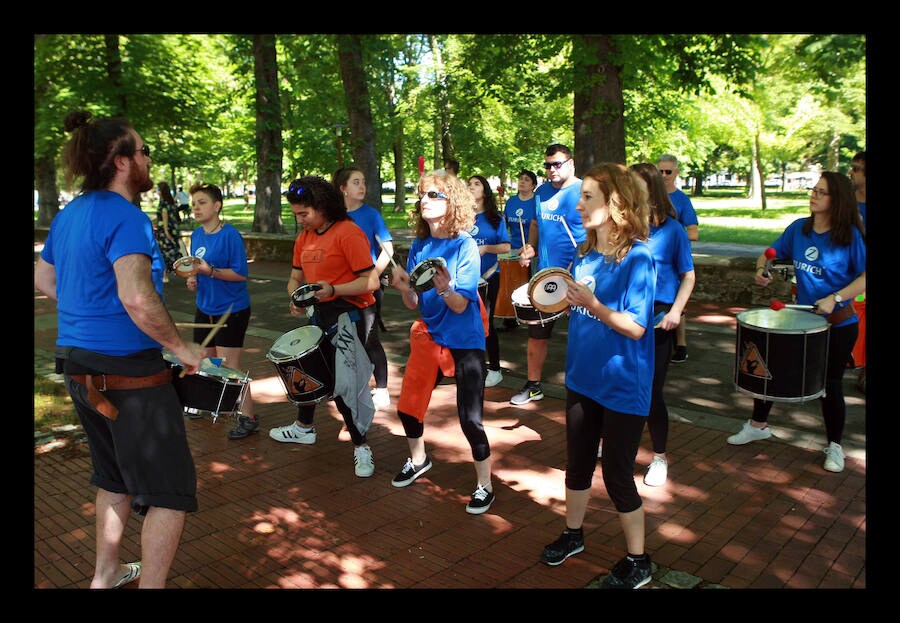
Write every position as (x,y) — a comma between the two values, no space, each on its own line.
(658,419)
(493,341)
(469,364)
(834,408)
(587,421)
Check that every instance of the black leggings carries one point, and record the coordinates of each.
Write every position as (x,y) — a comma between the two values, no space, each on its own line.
(306,413)
(834,409)
(493,341)
(469,364)
(586,422)
(374,347)
(658,419)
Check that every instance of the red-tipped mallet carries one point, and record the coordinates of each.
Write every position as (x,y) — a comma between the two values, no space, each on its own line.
(778,306)
(770,255)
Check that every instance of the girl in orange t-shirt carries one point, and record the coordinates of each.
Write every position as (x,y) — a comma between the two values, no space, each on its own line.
(333,252)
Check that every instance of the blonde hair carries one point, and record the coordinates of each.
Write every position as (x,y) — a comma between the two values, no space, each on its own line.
(629,211)
(460,214)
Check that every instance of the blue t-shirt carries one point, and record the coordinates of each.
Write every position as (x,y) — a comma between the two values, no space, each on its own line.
(372,223)
(85,240)
(484,233)
(671,250)
(516,212)
(820,266)
(602,364)
(684,209)
(862,211)
(448,328)
(223,249)
(554,204)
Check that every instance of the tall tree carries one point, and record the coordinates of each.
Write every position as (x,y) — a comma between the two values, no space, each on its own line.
(599,105)
(359,112)
(267,211)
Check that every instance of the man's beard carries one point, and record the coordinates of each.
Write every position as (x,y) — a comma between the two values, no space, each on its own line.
(140,179)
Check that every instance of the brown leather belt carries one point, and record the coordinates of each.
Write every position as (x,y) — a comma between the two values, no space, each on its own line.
(103,382)
(841,314)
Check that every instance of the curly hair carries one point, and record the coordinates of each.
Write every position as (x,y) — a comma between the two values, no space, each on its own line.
(660,205)
(629,211)
(460,214)
(316,192)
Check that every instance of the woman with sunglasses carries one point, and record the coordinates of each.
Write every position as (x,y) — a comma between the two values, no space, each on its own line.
(220,282)
(332,251)
(609,363)
(828,249)
(492,237)
(351,183)
(449,338)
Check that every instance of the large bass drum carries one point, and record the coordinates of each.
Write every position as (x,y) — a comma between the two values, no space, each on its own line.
(780,355)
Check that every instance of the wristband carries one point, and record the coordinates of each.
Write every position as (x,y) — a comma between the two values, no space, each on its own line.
(447,292)
(760,268)
(212,271)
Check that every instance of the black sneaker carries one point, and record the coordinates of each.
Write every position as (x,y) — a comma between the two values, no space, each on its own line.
(680,354)
(629,573)
(245,427)
(480,502)
(568,544)
(410,472)
(531,391)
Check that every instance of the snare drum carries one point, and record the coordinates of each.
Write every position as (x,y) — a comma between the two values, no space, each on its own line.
(213,389)
(304,360)
(186,266)
(780,355)
(305,295)
(512,275)
(526,312)
(547,289)
(422,276)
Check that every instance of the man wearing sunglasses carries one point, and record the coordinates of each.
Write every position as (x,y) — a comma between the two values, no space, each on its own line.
(552,238)
(102,266)
(684,209)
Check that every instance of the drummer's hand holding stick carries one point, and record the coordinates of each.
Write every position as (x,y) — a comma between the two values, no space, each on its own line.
(763,276)
(525,255)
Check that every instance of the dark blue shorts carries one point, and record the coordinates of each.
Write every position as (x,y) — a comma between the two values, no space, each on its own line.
(230,336)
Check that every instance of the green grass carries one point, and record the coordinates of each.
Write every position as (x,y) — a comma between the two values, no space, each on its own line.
(52,405)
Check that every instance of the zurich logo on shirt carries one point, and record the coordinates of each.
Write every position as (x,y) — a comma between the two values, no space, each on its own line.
(811,254)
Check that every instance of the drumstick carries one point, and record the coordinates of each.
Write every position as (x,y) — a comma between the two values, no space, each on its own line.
(568,231)
(778,306)
(197,325)
(381,244)
(211,334)
(522,233)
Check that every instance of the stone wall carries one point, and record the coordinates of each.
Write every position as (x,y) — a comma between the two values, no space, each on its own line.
(720,279)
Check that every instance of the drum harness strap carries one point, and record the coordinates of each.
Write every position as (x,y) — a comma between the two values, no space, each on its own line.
(100,383)
(840,315)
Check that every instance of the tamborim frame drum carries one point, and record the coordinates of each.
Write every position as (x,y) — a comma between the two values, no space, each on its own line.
(780,355)
(547,289)
(512,275)
(422,276)
(304,366)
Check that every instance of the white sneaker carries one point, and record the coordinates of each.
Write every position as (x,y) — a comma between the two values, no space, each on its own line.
(292,433)
(493,378)
(600,450)
(381,398)
(834,458)
(749,433)
(657,472)
(363,463)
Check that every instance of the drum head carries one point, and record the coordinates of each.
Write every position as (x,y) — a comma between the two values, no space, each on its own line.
(305,295)
(423,273)
(520,296)
(783,321)
(208,368)
(547,290)
(295,343)
(185,266)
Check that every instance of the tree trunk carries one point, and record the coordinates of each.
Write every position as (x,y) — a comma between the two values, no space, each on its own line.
(48,191)
(758,185)
(114,72)
(359,112)
(445,137)
(599,104)
(834,152)
(267,211)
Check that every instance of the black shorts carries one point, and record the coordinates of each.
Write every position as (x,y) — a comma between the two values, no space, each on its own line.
(144,452)
(541,331)
(229,336)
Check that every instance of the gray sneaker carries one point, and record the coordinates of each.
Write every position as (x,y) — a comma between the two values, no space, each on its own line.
(531,392)
(245,427)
